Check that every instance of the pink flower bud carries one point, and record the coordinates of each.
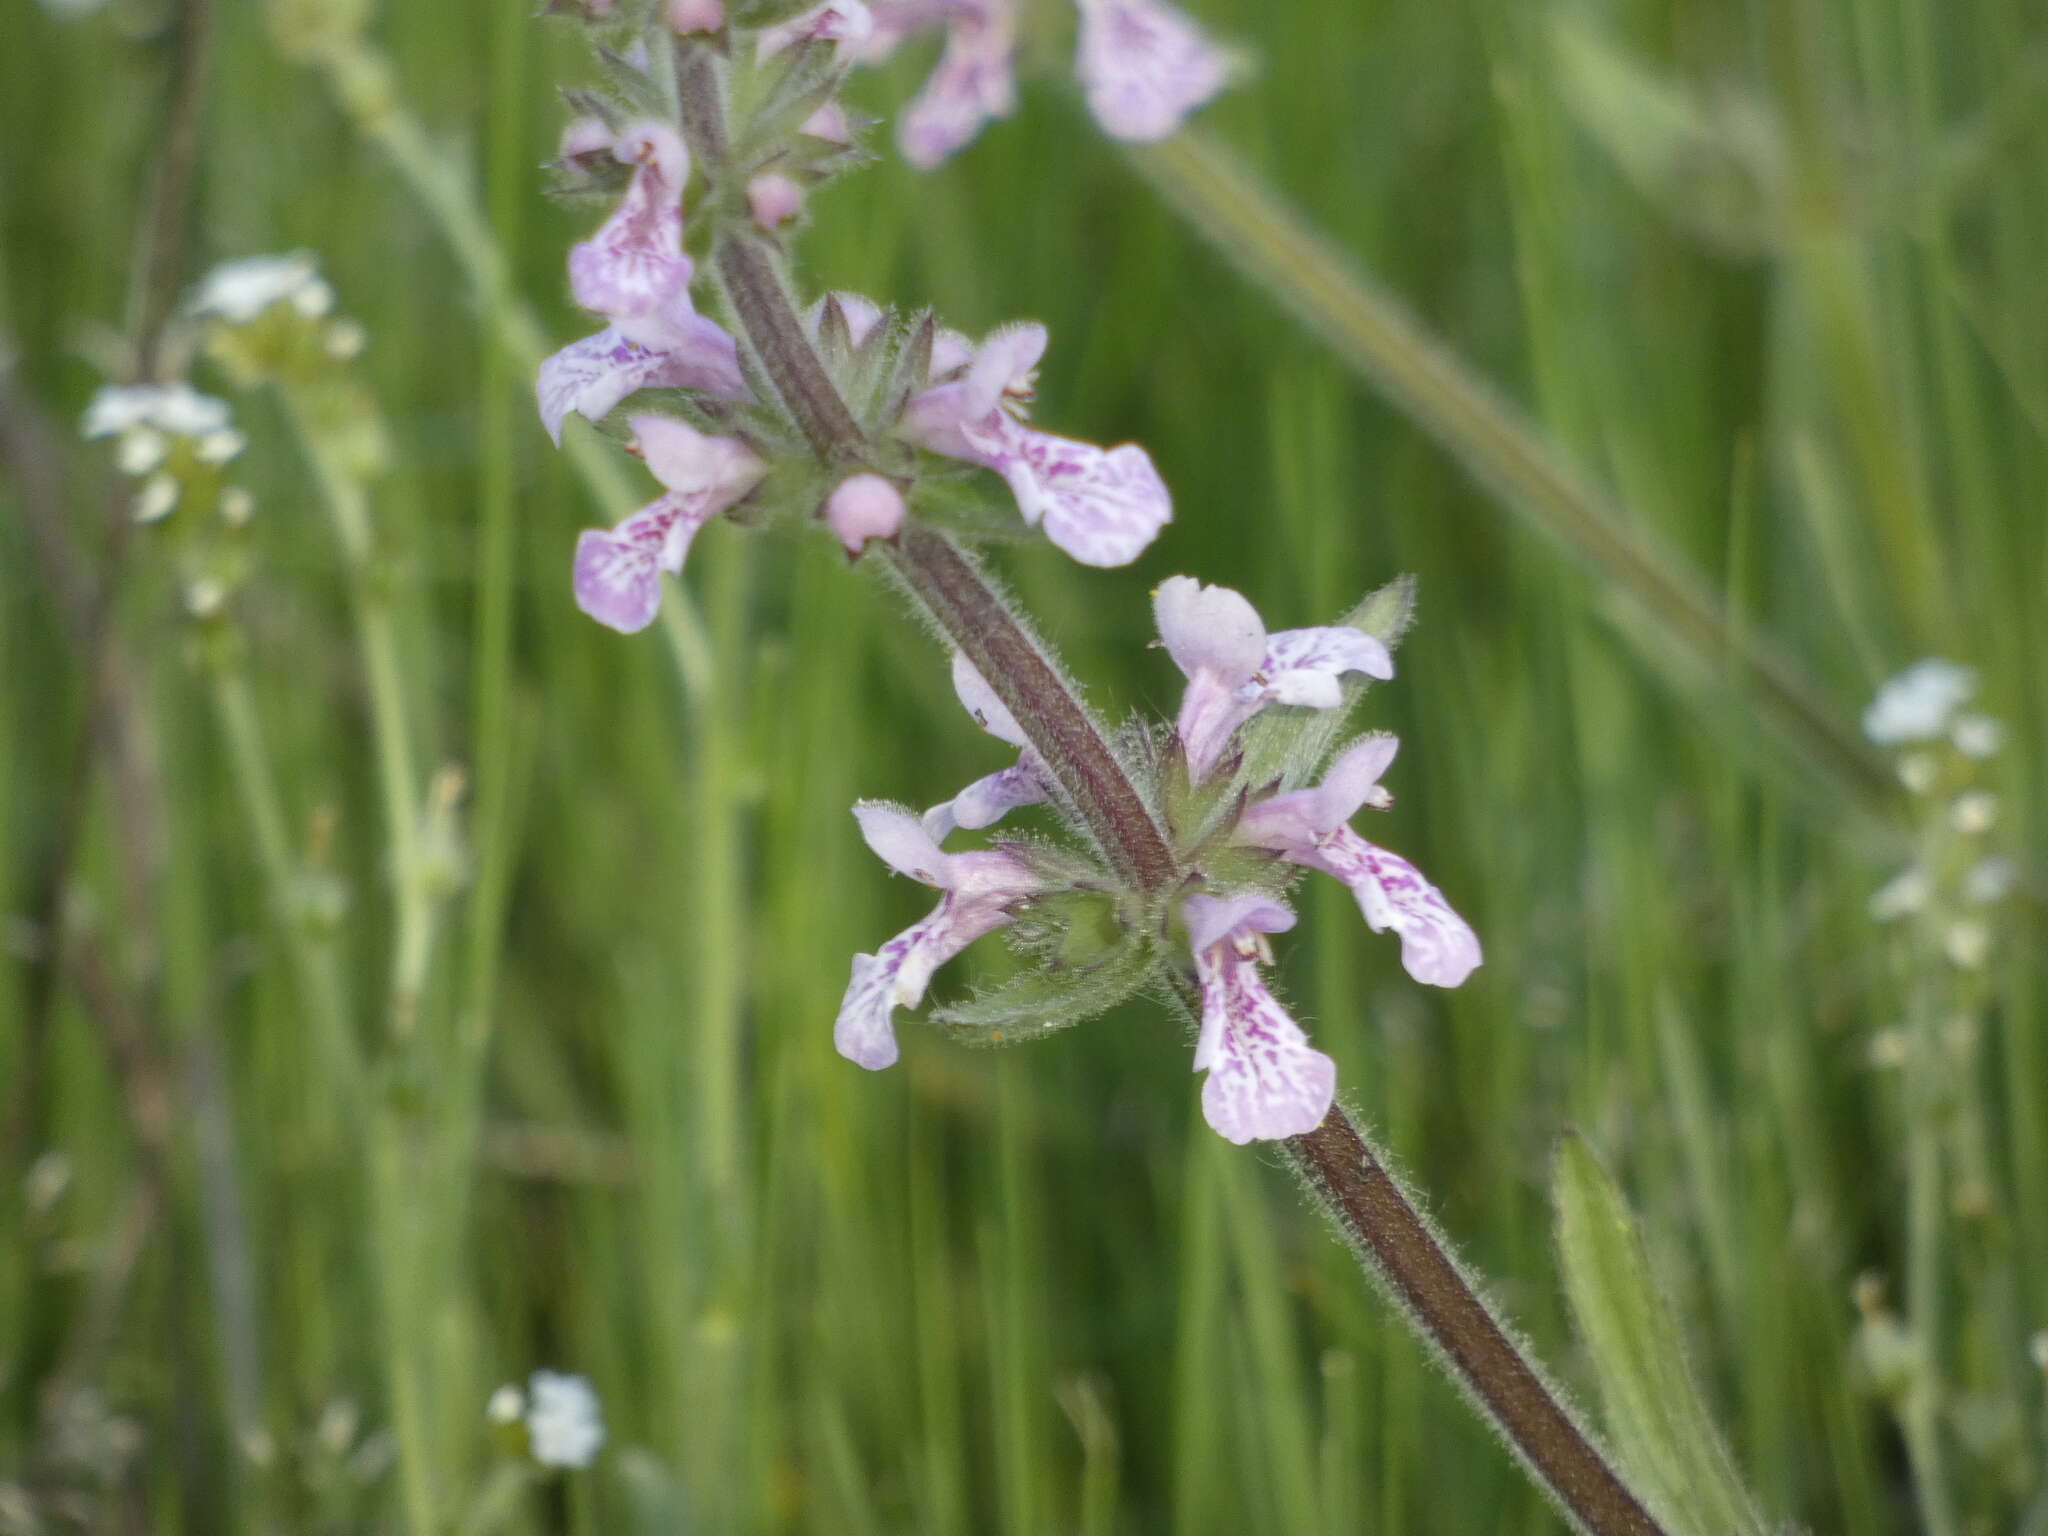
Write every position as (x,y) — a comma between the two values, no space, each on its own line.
(864,507)
(585,136)
(829,123)
(687,16)
(774,199)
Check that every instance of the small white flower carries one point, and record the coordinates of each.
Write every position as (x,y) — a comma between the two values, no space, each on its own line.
(1919,703)
(140,450)
(1989,880)
(1977,736)
(239,291)
(237,506)
(1890,1050)
(1975,813)
(563,1419)
(1968,944)
(507,1405)
(1901,896)
(177,409)
(159,499)
(346,339)
(1919,772)
(314,300)
(220,447)
(205,597)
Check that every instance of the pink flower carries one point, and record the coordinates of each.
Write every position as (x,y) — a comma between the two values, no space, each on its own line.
(1310,827)
(972,83)
(863,507)
(774,199)
(980,889)
(988,800)
(836,21)
(687,16)
(1145,67)
(1235,669)
(1102,506)
(633,269)
(618,571)
(1265,1080)
(633,272)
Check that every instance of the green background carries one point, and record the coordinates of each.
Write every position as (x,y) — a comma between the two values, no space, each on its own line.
(1029,1291)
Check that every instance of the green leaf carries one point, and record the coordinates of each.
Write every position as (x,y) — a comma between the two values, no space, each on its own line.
(1041,1001)
(1661,1429)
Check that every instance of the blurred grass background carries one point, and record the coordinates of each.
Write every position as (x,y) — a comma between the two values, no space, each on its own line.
(1769,270)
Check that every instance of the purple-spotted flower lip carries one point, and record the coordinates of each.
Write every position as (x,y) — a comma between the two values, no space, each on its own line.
(1310,827)
(633,270)
(1145,67)
(1235,668)
(980,888)
(973,83)
(618,570)
(1265,1080)
(1102,506)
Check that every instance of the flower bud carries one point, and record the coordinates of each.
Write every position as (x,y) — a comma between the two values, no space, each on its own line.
(1974,813)
(687,16)
(1976,736)
(159,499)
(864,507)
(774,200)
(584,136)
(829,123)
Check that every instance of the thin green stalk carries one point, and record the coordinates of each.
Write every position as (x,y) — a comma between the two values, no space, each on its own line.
(347,503)
(1385,344)
(1920,1414)
(319,976)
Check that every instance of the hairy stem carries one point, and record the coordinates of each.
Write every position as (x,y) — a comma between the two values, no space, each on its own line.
(1348,1180)
(1380,1222)
(951,588)
(747,268)
(1382,342)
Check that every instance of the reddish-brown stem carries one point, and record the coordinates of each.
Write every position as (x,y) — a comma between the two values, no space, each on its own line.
(1353,1185)
(1335,1160)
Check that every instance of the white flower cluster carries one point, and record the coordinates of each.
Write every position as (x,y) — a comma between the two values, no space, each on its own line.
(1955,878)
(564,1423)
(160,431)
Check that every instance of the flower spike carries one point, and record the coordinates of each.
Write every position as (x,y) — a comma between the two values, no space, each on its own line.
(980,887)
(1265,1080)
